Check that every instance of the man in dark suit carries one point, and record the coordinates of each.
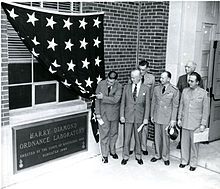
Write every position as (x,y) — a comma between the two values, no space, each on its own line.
(107,107)
(183,83)
(134,112)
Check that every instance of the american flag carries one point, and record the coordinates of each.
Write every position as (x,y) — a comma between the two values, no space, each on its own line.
(70,46)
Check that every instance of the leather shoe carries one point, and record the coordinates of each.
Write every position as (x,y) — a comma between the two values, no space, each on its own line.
(124,161)
(131,152)
(167,162)
(145,152)
(105,159)
(114,156)
(154,159)
(178,146)
(182,165)
(140,161)
(192,168)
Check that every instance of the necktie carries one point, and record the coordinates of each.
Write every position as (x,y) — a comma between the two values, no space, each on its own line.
(109,89)
(163,90)
(135,92)
(142,79)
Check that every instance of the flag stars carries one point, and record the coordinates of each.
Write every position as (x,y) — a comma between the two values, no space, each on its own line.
(34,53)
(50,22)
(99,79)
(55,64)
(96,42)
(71,66)
(85,63)
(96,22)
(51,70)
(32,18)
(12,13)
(77,82)
(66,83)
(97,61)
(35,41)
(88,82)
(52,44)
(67,24)
(83,43)
(82,23)
(68,44)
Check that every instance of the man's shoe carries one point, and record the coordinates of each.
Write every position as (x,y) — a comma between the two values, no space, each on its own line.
(167,162)
(145,152)
(192,168)
(182,165)
(140,161)
(154,159)
(105,159)
(124,161)
(115,156)
(178,146)
(131,152)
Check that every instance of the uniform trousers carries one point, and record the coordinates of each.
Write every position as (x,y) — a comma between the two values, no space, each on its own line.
(189,150)
(143,139)
(162,142)
(130,128)
(108,136)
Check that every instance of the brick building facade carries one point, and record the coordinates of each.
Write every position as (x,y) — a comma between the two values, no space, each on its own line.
(132,31)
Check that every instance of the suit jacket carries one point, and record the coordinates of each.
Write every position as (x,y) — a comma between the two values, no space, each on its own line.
(182,83)
(164,106)
(110,104)
(194,108)
(135,111)
(149,80)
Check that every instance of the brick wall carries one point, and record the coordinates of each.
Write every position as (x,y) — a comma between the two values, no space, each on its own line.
(121,40)
(4,72)
(121,34)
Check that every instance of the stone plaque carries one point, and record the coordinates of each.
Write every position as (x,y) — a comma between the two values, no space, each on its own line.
(42,141)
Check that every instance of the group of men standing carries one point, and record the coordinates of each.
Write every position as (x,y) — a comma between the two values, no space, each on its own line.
(141,102)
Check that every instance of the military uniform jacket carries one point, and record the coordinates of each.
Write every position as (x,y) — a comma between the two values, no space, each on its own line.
(194,108)
(183,83)
(149,80)
(110,104)
(164,106)
(135,111)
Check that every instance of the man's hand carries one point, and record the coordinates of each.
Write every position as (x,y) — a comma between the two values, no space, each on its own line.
(152,119)
(98,116)
(145,122)
(179,123)
(99,96)
(122,120)
(202,128)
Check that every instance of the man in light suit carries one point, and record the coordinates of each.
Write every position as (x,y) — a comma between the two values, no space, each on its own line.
(134,112)
(164,107)
(107,107)
(149,80)
(183,83)
(193,114)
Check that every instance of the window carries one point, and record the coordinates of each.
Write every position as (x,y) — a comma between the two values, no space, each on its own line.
(29,83)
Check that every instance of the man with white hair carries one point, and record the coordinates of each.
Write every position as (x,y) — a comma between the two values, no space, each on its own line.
(134,112)
(183,83)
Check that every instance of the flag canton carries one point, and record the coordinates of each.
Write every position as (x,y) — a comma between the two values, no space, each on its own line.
(70,46)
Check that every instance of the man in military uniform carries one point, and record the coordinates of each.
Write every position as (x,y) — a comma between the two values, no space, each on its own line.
(107,107)
(193,114)
(164,107)
(149,80)
(183,83)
